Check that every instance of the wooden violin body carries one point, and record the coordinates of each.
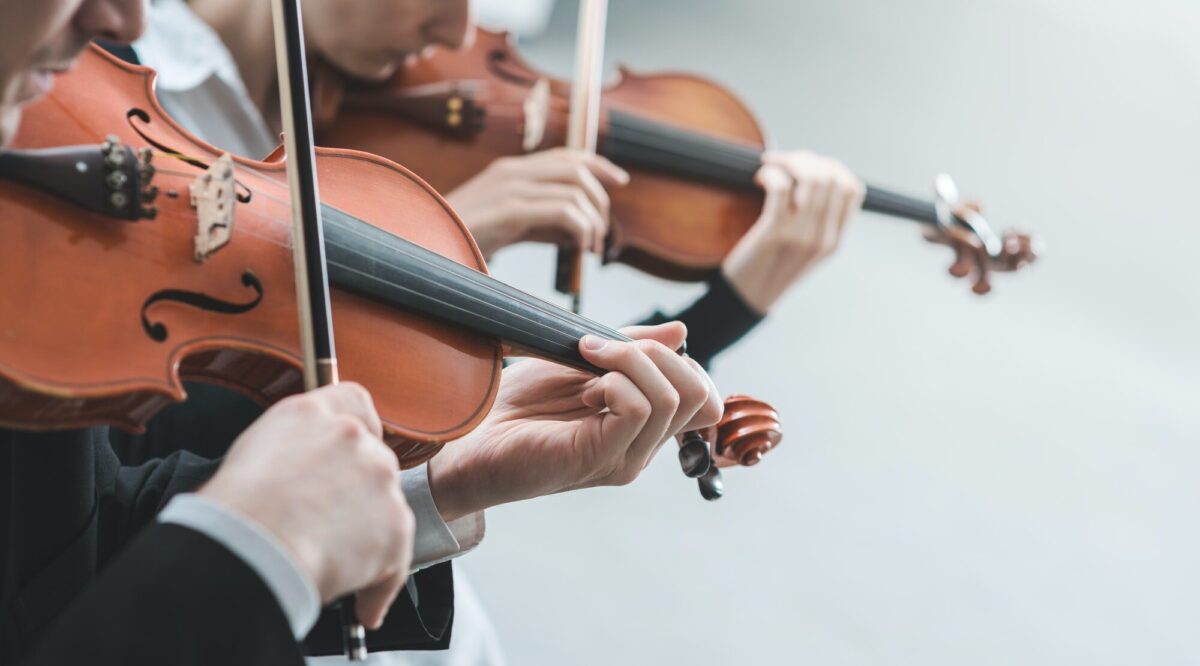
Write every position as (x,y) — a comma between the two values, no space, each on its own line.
(691,146)
(450,115)
(86,292)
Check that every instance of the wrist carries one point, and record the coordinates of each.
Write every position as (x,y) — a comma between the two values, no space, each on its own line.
(764,264)
(453,492)
(308,557)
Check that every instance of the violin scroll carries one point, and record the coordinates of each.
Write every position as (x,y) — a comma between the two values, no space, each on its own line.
(978,250)
(748,430)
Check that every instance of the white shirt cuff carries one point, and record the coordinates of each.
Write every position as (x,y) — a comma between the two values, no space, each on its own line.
(437,540)
(296,593)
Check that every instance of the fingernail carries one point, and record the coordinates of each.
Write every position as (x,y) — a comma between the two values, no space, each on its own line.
(593,343)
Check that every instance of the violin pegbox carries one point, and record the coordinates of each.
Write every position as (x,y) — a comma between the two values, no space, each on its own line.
(978,249)
(213,195)
(748,429)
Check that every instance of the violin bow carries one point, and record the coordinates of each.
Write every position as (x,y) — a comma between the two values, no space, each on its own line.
(583,124)
(308,239)
(583,129)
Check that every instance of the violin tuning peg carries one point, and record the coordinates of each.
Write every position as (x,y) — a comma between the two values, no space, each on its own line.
(694,456)
(117,179)
(712,485)
(118,200)
(115,158)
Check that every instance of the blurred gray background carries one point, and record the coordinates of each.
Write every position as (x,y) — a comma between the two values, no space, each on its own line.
(1005,480)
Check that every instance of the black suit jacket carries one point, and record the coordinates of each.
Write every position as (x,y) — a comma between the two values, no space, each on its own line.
(68,514)
(207,424)
(173,597)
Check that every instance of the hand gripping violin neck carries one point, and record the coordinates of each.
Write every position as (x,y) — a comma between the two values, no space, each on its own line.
(691,146)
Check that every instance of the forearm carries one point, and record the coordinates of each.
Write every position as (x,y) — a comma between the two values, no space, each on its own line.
(762,266)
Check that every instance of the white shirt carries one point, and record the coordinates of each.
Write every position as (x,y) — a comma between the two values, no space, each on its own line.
(198,81)
(199,85)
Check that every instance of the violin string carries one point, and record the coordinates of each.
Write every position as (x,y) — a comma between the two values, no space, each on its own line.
(478,312)
(726,161)
(736,163)
(531,303)
(344,222)
(432,262)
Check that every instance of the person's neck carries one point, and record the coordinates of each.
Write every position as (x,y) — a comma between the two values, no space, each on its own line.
(246,28)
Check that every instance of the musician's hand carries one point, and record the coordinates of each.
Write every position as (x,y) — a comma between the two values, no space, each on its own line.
(314,473)
(554,429)
(809,199)
(555,196)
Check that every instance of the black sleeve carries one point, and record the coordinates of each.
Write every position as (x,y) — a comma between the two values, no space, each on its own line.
(420,619)
(133,495)
(715,321)
(67,507)
(175,597)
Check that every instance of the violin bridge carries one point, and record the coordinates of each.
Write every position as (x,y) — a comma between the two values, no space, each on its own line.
(537,111)
(213,195)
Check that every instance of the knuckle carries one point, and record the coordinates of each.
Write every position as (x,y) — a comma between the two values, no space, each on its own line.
(668,401)
(694,394)
(359,392)
(649,347)
(641,409)
(304,403)
(383,464)
(348,428)
(624,352)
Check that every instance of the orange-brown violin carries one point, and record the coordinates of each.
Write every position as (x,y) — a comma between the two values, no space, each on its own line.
(692,148)
(124,272)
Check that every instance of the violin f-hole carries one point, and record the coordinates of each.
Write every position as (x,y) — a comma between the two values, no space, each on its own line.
(244,194)
(157,331)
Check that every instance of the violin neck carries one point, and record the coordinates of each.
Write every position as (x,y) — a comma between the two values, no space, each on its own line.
(641,143)
(885,202)
(385,268)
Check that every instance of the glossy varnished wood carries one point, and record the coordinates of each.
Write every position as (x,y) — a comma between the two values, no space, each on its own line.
(73,351)
(672,227)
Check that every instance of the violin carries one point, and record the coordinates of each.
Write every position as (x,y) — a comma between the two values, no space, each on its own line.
(691,146)
(126,270)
